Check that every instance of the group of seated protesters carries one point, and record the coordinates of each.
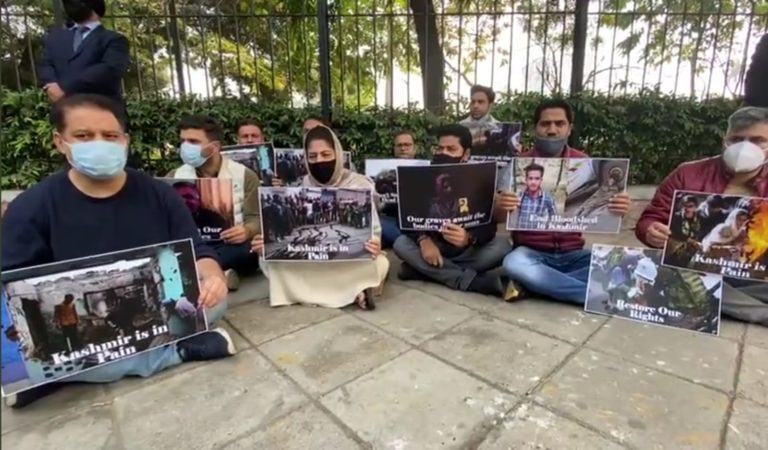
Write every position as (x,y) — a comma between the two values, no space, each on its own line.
(97,205)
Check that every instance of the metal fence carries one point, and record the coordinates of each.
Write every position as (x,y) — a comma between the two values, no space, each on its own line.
(359,53)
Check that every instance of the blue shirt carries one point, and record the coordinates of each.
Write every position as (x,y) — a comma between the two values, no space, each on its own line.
(53,221)
(541,206)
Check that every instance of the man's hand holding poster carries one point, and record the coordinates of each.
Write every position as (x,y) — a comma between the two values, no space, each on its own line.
(64,318)
(566,195)
(456,193)
(211,202)
(315,224)
(719,234)
(631,283)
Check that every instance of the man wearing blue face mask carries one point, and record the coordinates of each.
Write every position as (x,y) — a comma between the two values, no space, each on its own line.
(555,265)
(201,140)
(741,169)
(98,206)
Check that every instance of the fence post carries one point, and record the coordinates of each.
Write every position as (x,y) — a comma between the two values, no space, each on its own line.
(58,13)
(325,57)
(173,28)
(579,45)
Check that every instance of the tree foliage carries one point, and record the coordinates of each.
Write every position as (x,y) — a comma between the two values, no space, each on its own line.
(656,131)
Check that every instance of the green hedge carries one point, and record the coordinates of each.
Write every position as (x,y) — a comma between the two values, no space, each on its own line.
(656,131)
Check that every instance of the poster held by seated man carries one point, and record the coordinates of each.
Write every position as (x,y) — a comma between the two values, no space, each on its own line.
(553,264)
(117,208)
(456,257)
(741,169)
(104,308)
(260,158)
(459,194)
(736,247)
(201,141)
(210,202)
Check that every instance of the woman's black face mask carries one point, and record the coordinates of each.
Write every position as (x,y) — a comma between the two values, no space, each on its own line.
(323,171)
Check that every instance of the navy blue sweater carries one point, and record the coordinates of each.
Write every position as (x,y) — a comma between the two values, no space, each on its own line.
(53,221)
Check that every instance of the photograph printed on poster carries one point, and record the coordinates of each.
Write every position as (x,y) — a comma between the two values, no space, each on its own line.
(497,142)
(258,157)
(291,166)
(64,318)
(541,186)
(348,161)
(457,193)
(720,234)
(211,202)
(315,224)
(591,183)
(383,172)
(631,283)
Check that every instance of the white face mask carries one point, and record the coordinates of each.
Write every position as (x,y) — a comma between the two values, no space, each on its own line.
(744,157)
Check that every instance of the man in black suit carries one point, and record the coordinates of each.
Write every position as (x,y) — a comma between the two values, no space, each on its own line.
(86,58)
(756,83)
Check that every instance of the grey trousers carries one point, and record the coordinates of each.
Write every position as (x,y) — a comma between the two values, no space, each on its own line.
(459,268)
(746,301)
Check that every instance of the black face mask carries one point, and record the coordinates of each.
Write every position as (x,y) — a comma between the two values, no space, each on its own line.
(323,171)
(77,11)
(442,158)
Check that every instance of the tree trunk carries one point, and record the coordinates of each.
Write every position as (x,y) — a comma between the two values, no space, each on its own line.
(431,56)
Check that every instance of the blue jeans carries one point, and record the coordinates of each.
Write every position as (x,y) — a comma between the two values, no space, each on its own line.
(237,257)
(561,276)
(459,267)
(144,364)
(390,230)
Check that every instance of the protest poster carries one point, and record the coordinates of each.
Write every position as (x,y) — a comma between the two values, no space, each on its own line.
(258,157)
(541,186)
(65,318)
(631,283)
(719,234)
(211,202)
(591,183)
(315,224)
(383,172)
(457,193)
(348,164)
(290,165)
(499,141)
(566,194)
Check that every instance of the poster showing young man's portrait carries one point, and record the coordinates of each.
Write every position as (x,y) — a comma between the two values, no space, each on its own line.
(211,202)
(631,283)
(719,234)
(315,224)
(65,318)
(258,157)
(429,196)
(541,186)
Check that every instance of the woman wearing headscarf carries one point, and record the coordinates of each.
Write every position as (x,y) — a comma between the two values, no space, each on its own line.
(337,284)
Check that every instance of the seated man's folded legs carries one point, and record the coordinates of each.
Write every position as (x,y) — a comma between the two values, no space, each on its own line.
(746,301)
(236,260)
(463,272)
(390,230)
(561,276)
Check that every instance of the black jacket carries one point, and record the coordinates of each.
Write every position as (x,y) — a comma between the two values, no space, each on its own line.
(756,82)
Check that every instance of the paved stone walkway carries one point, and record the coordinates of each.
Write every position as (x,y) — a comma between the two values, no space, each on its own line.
(430,368)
